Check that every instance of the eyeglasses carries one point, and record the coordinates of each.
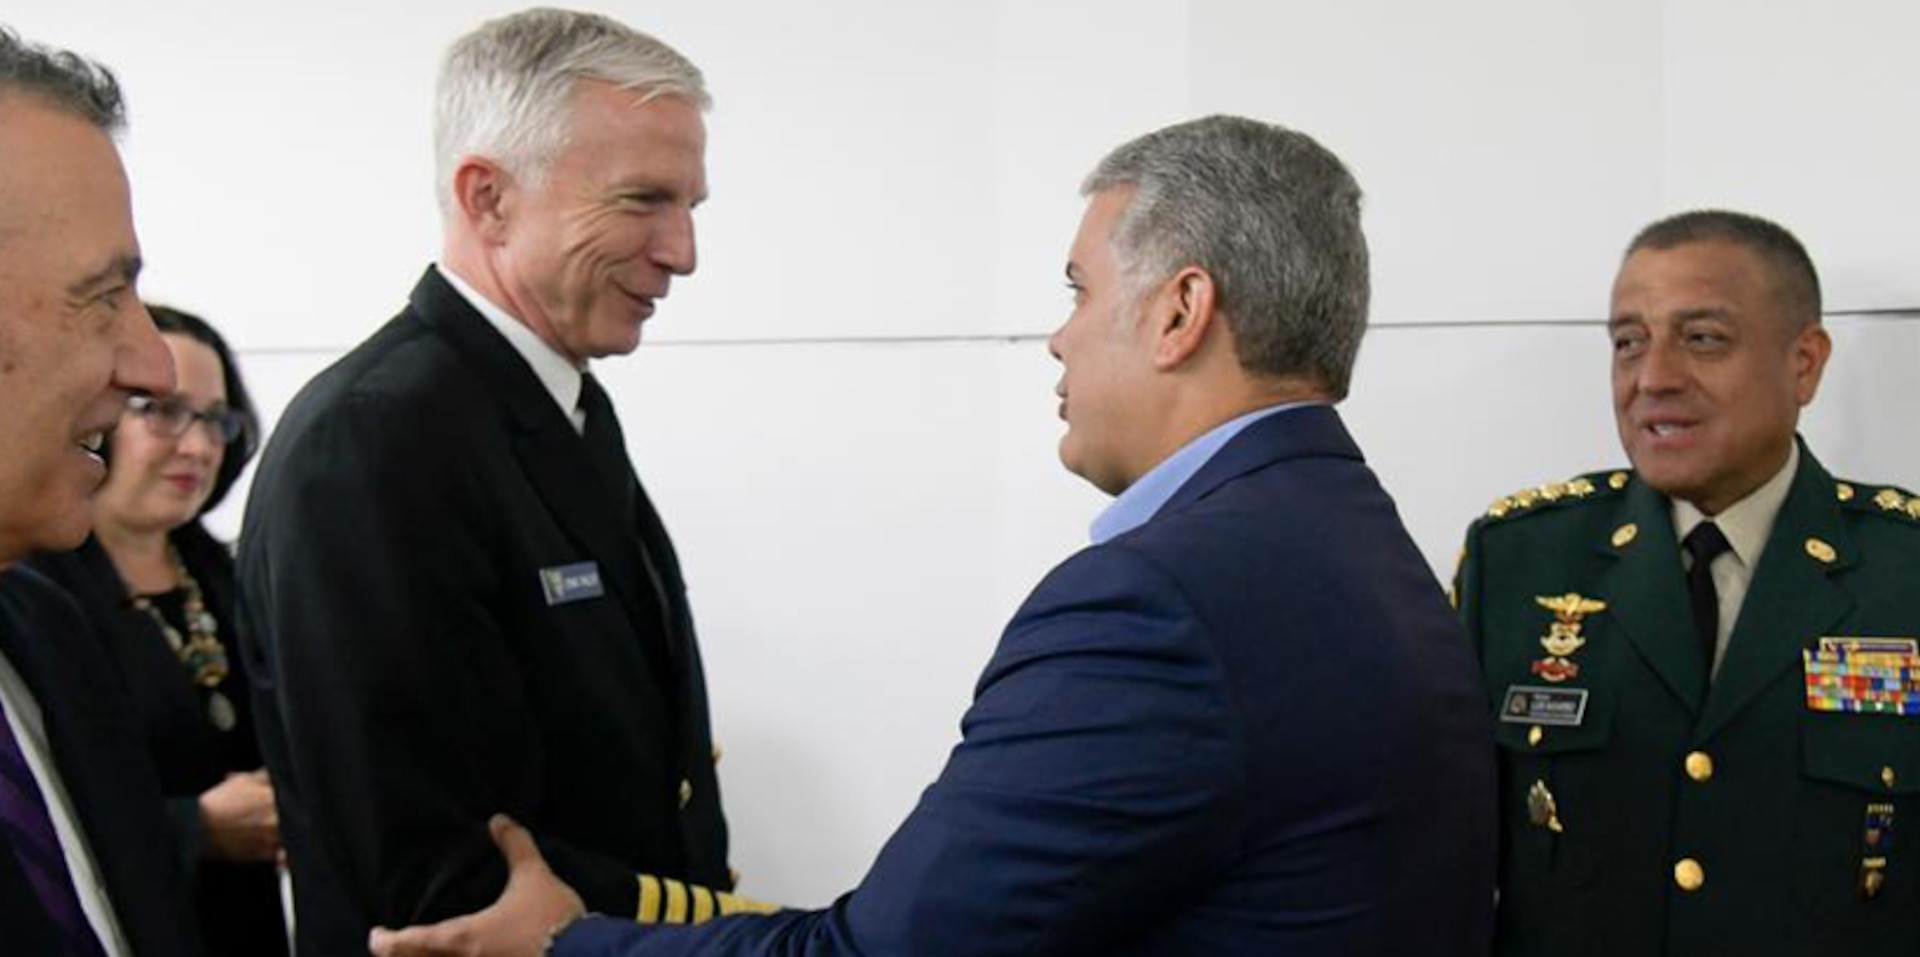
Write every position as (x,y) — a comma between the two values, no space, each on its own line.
(171,417)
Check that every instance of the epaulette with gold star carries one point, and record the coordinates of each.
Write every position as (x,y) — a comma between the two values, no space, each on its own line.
(1573,490)
(1887,500)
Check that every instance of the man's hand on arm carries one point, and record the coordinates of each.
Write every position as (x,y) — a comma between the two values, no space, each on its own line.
(537,905)
(532,909)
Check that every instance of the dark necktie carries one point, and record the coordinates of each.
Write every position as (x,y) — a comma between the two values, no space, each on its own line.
(1705,543)
(29,830)
(606,444)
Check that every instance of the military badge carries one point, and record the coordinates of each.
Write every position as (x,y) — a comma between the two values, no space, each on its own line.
(1863,675)
(1563,636)
(1876,842)
(1541,809)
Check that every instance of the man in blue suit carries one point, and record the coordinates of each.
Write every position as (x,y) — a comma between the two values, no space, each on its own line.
(1242,722)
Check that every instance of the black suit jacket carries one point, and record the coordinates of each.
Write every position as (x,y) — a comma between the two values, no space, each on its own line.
(101,761)
(419,670)
(238,904)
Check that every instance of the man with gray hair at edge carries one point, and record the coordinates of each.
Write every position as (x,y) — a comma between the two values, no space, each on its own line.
(1242,722)
(464,598)
(85,862)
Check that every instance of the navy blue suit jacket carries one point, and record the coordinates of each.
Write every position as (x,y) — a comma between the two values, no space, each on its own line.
(1249,727)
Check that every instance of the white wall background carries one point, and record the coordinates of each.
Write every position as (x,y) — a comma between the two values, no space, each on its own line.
(847,415)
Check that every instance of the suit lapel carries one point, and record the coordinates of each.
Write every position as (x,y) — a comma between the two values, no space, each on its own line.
(96,751)
(555,460)
(1645,595)
(1792,600)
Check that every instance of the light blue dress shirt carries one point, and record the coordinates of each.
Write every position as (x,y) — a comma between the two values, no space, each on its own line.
(1143,498)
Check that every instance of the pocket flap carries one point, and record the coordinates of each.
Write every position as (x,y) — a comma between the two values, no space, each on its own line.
(1869,752)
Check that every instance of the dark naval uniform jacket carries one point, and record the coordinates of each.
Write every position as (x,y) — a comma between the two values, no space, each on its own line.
(1643,813)
(453,619)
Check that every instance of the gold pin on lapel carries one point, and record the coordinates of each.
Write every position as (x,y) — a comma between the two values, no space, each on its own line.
(1821,551)
(1617,481)
(1625,534)
(1890,500)
(1541,809)
(1843,491)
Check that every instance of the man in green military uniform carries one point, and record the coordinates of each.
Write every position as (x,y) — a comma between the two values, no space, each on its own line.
(1705,668)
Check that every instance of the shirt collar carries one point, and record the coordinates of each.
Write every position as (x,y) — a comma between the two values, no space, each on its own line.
(1748,522)
(559,375)
(1145,497)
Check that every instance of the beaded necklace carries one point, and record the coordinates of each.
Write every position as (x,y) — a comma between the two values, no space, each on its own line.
(200,650)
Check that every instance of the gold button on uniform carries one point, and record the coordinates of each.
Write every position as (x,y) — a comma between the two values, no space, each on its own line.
(1700,766)
(1887,777)
(1689,874)
(686,792)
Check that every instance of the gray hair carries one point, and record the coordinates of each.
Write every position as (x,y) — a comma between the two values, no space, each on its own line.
(1272,216)
(506,89)
(1785,259)
(67,81)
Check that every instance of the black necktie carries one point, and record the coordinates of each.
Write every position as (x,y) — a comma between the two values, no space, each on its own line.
(606,444)
(1705,543)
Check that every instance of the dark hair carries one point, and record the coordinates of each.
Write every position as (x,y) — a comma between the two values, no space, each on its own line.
(241,451)
(1782,255)
(66,80)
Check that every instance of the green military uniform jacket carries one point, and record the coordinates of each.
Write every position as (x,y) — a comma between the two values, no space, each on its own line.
(1643,814)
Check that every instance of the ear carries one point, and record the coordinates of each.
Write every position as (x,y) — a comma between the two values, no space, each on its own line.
(1808,355)
(481,193)
(1182,314)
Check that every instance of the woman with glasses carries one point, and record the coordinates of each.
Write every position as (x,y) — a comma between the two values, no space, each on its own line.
(158,588)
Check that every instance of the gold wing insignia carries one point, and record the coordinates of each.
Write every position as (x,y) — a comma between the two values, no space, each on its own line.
(1570,607)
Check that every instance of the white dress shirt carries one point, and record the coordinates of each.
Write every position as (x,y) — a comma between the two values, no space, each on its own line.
(560,376)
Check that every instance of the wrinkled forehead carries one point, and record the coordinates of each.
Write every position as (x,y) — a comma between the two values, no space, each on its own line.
(1692,275)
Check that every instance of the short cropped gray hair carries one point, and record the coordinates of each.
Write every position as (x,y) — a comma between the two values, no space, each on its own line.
(67,81)
(506,89)
(1795,280)
(1272,216)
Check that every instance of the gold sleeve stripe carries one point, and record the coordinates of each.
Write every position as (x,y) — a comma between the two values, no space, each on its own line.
(676,902)
(649,899)
(731,904)
(664,900)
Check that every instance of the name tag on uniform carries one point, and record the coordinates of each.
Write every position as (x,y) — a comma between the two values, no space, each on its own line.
(1561,707)
(570,583)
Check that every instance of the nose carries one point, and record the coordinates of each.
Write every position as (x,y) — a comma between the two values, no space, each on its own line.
(142,362)
(1662,368)
(673,247)
(200,442)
